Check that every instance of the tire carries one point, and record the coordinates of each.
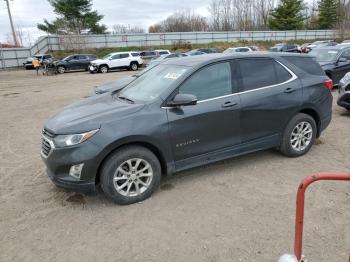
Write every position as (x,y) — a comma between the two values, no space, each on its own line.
(116,172)
(103,69)
(134,66)
(295,141)
(61,69)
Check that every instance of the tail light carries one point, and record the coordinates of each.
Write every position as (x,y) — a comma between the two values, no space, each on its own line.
(328,83)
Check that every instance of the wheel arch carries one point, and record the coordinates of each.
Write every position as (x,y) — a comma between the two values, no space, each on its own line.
(103,65)
(146,144)
(315,115)
(134,61)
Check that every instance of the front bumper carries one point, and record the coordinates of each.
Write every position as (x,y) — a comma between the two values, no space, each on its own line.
(93,68)
(344,98)
(60,160)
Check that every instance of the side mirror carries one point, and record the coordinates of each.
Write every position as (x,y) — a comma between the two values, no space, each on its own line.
(183,100)
(342,59)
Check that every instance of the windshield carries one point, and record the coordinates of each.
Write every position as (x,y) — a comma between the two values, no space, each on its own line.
(67,58)
(106,57)
(325,55)
(229,50)
(152,83)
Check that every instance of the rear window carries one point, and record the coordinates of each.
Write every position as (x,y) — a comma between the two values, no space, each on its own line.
(135,54)
(124,55)
(307,64)
(163,52)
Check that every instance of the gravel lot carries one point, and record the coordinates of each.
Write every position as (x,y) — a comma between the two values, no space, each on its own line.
(236,210)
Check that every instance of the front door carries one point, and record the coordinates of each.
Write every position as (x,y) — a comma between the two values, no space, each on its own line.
(213,123)
(341,68)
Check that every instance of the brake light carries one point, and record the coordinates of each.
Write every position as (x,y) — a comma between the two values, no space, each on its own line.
(328,83)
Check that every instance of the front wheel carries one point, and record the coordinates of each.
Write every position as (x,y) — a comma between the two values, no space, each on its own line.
(299,135)
(103,69)
(134,66)
(130,175)
(61,69)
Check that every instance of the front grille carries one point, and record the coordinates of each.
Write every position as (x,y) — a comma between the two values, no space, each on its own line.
(45,147)
(48,133)
(46,144)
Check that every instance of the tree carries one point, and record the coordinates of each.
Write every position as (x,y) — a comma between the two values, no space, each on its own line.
(181,21)
(328,13)
(127,29)
(288,15)
(75,17)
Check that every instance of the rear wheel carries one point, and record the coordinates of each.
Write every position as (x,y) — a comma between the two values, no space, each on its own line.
(130,175)
(134,66)
(103,69)
(61,69)
(299,135)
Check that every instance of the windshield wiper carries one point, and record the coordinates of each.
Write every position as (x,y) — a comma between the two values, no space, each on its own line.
(126,99)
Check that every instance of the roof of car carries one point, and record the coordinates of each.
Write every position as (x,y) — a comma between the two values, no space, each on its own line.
(339,46)
(208,58)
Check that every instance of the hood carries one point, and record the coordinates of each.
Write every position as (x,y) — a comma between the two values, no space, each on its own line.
(98,61)
(114,85)
(89,114)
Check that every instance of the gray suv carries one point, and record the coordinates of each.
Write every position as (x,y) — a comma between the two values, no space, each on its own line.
(184,113)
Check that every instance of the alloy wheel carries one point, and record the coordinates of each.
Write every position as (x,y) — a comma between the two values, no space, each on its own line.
(133,177)
(301,136)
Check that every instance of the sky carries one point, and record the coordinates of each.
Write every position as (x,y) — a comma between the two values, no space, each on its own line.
(27,14)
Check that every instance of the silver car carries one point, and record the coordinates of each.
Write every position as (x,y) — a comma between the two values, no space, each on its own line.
(344,92)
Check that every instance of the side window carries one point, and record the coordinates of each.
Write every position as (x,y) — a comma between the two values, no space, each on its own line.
(135,54)
(82,57)
(282,74)
(210,82)
(115,57)
(257,73)
(124,55)
(308,64)
(346,54)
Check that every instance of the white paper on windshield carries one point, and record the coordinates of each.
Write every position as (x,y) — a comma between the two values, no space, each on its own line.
(332,52)
(174,75)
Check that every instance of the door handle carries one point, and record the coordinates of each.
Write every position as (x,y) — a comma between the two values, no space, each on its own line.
(289,90)
(228,104)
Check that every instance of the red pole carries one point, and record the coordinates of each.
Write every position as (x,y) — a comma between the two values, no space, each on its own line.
(299,217)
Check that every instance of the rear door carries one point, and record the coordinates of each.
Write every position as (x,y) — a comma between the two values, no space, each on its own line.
(270,95)
(213,123)
(124,60)
(83,62)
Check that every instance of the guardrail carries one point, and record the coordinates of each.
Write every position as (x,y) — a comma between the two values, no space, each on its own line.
(14,57)
(299,216)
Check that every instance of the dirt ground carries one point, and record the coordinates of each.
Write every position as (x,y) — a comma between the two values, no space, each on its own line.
(236,210)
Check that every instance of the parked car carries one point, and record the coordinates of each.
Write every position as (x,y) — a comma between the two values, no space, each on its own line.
(207,50)
(147,56)
(344,92)
(335,60)
(194,53)
(160,59)
(120,60)
(75,62)
(232,50)
(162,52)
(322,43)
(41,57)
(283,47)
(346,41)
(185,113)
(254,48)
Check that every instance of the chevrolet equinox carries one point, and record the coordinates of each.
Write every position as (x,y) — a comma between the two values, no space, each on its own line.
(184,113)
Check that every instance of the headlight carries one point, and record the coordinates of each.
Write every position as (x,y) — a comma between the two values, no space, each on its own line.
(71,140)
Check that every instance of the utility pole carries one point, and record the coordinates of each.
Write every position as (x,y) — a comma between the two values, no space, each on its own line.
(11,22)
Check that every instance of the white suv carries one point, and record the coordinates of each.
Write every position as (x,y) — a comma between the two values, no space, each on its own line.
(128,60)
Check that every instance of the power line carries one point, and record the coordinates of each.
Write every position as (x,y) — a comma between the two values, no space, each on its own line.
(11,22)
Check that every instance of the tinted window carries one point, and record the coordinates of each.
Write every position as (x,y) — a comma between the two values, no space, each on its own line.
(346,54)
(82,57)
(163,53)
(93,57)
(211,81)
(124,55)
(257,73)
(307,64)
(115,57)
(282,74)
(135,54)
